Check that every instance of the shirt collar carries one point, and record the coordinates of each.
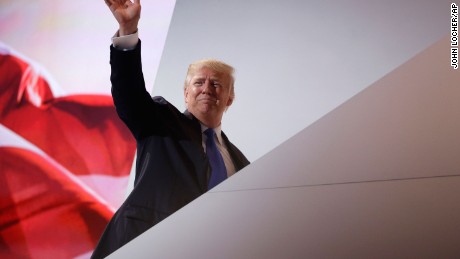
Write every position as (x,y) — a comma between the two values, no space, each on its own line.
(217,130)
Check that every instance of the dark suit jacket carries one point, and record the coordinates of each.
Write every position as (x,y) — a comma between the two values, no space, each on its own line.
(171,168)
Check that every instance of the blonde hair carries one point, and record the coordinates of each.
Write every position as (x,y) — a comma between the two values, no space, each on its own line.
(215,65)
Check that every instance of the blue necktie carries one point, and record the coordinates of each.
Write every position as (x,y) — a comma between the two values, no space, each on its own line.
(218,170)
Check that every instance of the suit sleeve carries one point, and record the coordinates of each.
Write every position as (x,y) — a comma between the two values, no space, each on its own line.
(133,103)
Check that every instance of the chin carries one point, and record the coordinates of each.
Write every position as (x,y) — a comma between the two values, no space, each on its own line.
(206,108)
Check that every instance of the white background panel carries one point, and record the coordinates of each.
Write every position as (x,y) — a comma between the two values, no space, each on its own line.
(405,125)
(389,219)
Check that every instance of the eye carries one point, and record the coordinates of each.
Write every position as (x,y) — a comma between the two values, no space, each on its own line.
(216,84)
(198,83)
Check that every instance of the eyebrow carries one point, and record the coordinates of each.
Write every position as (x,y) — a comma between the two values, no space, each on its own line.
(215,79)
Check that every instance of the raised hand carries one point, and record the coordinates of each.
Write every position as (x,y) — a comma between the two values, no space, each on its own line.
(127,14)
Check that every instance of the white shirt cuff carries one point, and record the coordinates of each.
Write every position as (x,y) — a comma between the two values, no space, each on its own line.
(126,42)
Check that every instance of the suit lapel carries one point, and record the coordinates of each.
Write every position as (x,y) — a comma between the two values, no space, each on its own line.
(204,170)
(235,154)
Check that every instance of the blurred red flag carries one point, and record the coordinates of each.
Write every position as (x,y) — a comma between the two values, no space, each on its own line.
(82,132)
(46,213)
(64,164)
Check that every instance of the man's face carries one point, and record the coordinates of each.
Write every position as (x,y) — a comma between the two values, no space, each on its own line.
(207,95)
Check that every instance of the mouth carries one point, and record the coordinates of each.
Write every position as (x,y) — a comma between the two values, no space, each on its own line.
(207,100)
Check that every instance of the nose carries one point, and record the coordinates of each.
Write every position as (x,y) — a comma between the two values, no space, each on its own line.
(207,88)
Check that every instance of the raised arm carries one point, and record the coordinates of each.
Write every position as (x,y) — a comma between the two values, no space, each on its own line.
(126,13)
(133,103)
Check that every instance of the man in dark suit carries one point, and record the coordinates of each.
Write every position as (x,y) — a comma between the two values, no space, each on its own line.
(175,162)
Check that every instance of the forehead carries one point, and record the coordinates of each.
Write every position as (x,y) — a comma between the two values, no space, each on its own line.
(205,72)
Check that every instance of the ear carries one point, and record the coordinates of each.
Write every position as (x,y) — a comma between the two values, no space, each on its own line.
(229,101)
(186,96)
